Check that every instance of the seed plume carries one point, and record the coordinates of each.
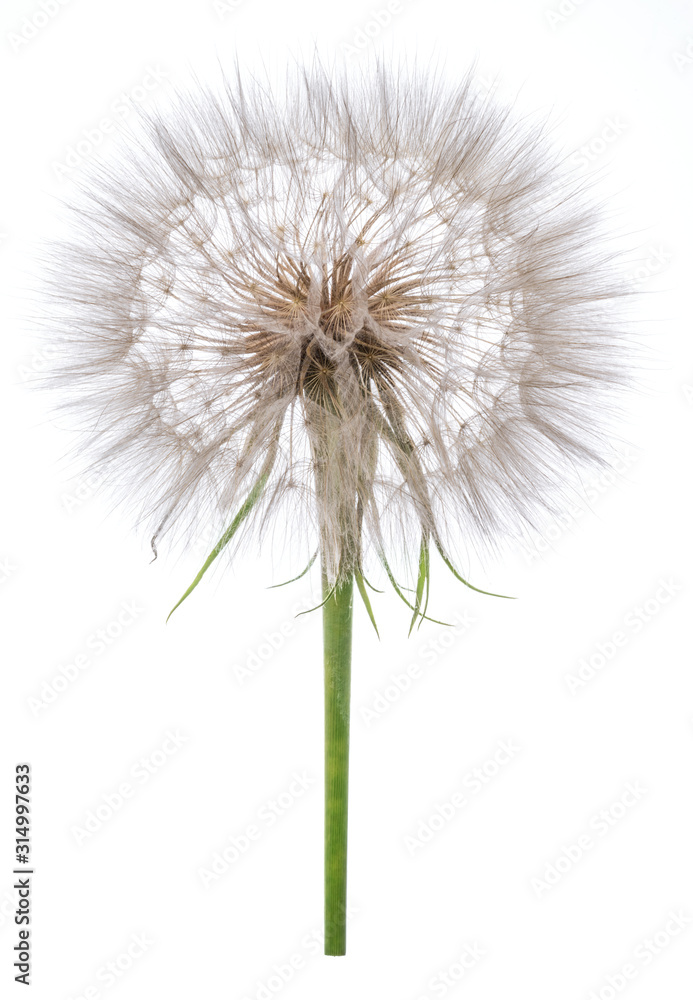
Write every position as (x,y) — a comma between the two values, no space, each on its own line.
(374,308)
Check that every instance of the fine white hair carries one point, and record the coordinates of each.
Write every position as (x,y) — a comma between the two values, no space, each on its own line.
(377,304)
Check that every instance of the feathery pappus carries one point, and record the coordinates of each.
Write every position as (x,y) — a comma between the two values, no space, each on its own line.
(371,313)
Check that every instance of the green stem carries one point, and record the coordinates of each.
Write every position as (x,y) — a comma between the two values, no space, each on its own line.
(337,626)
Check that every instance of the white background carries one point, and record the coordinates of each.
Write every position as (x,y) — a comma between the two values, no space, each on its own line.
(69,565)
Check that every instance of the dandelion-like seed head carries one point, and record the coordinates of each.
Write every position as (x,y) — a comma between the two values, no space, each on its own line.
(378,302)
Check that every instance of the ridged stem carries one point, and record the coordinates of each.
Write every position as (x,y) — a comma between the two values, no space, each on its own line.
(337,629)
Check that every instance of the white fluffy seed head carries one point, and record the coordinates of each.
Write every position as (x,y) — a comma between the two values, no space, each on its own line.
(382,297)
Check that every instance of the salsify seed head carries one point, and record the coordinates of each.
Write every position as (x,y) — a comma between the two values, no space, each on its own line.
(377,305)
